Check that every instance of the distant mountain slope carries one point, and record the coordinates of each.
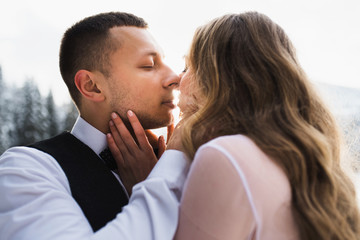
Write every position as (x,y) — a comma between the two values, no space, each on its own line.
(345,104)
(341,100)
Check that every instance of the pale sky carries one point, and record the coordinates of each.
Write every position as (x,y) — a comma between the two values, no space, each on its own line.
(326,33)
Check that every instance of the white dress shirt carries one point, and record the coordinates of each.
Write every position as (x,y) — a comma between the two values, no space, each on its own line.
(36,201)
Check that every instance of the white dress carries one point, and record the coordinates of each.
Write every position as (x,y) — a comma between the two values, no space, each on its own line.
(235,191)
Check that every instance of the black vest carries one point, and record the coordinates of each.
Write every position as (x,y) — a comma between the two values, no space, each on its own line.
(92,184)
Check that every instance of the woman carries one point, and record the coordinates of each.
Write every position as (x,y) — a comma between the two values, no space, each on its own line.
(265,150)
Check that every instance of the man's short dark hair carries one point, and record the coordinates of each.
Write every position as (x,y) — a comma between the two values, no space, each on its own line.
(87,45)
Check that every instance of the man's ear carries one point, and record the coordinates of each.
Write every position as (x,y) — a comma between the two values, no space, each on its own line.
(86,84)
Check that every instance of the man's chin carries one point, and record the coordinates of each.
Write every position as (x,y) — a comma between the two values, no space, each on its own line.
(154,123)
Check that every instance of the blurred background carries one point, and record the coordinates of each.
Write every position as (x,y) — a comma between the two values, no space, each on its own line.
(35,104)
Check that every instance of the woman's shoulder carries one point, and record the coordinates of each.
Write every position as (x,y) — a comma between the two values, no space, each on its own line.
(242,153)
(238,138)
(234,150)
(262,181)
(229,143)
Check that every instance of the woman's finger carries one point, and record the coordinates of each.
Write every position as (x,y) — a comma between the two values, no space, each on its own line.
(152,138)
(139,131)
(126,137)
(115,136)
(115,151)
(170,130)
(162,146)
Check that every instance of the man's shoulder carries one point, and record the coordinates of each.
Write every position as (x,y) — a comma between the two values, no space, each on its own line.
(63,137)
(60,145)
(26,158)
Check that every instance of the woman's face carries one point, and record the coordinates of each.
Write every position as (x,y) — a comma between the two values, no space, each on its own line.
(189,92)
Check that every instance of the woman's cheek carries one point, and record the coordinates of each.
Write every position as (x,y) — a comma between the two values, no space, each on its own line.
(187,103)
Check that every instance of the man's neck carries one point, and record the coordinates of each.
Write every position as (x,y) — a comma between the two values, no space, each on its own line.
(98,123)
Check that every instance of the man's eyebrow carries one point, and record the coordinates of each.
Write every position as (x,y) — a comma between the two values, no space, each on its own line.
(151,53)
(154,54)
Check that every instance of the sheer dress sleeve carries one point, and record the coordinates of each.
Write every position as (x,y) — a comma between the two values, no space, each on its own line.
(214,204)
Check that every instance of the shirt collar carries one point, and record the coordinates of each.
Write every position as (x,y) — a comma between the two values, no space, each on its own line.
(89,135)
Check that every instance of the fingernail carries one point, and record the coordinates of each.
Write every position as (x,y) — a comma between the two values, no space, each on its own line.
(130,113)
(108,135)
(113,115)
(111,123)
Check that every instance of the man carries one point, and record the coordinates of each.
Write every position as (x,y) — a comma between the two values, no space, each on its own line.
(60,188)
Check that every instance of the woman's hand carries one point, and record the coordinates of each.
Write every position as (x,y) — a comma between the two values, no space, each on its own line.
(159,142)
(135,159)
(174,142)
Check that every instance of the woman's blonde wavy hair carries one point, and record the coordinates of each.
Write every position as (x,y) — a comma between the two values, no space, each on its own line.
(252,84)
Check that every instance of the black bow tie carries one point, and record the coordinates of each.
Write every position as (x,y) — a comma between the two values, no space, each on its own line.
(108,159)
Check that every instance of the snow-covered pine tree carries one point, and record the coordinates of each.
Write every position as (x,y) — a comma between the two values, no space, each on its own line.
(51,117)
(30,117)
(71,113)
(6,114)
(2,118)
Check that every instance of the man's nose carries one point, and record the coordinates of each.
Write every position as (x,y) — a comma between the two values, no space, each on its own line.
(171,78)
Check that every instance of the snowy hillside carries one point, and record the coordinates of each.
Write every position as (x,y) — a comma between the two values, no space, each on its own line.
(345,105)
(342,101)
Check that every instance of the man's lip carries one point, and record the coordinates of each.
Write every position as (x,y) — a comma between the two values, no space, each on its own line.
(169,103)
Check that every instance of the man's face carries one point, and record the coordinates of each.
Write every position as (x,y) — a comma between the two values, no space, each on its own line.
(139,79)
